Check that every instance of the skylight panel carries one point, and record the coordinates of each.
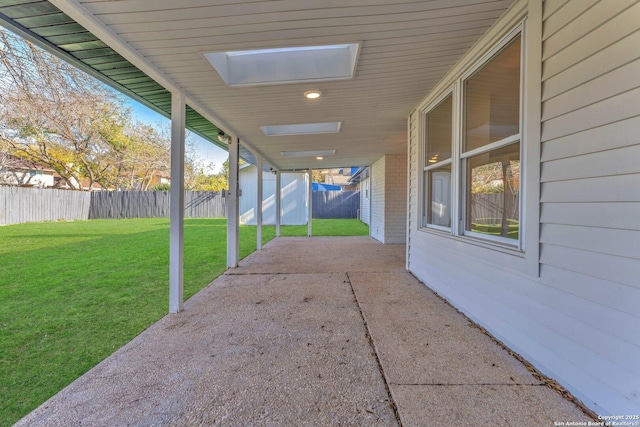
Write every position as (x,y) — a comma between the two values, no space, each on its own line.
(286,65)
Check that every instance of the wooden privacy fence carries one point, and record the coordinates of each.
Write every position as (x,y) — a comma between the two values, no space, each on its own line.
(18,205)
(490,206)
(21,204)
(335,204)
(155,204)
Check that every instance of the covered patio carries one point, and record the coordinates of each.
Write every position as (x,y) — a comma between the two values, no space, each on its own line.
(557,282)
(320,331)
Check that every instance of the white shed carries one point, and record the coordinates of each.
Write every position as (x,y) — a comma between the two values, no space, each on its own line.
(294,197)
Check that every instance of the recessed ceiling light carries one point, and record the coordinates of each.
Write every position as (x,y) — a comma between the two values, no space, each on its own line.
(315,153)
(286,65)
(301,129)
(312,94)
(319,158)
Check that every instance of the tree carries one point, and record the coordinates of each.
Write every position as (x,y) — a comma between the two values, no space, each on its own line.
(198,176)
(56,115)
(316,175)
(62,117)
(144,152)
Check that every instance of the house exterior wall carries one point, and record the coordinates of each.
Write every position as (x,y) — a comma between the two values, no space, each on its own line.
(389,199)
(35,178)
(293,203)
(365,201)
(376,228)
(396,198)
(569,303)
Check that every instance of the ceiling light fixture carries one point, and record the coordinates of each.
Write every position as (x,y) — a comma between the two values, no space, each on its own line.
(312,94)
(319,158)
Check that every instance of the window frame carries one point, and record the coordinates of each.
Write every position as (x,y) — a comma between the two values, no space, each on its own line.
(512,139)
(459,158)
(528,16)
(425,168)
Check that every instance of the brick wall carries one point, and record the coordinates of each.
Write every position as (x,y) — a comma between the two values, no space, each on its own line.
(395,198)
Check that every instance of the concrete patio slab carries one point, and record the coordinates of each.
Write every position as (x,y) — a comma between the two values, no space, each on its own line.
(486,405)
(279,342)
(247,350)
(430,344)
(325,255)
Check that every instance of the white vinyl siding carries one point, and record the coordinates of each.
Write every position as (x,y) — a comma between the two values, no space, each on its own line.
(365,201)
(578,321)
(376,228)
(590,185)
(389,199)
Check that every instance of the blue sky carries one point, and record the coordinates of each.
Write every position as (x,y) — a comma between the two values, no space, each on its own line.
(206,151)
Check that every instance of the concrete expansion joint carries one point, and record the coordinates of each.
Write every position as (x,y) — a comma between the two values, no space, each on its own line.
(374,352)
(470,384)
(275,273)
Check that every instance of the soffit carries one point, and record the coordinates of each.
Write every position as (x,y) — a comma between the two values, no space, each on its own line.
(406,48)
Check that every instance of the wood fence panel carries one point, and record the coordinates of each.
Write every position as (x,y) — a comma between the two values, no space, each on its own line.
(21,204)
(335,204)
(155,204)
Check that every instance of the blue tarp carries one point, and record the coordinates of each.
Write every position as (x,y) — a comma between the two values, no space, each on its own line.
(316,186)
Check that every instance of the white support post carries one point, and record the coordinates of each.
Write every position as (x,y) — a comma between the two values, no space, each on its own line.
(232,206)
(176,211)
(278,202)
(259,207)
(310,195)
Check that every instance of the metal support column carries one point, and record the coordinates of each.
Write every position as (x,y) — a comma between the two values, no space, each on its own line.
(278,202)
(310,195)
(176,210)
(259,207)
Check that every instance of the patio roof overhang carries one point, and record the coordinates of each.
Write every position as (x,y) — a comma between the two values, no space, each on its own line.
(243,67)
(150,49)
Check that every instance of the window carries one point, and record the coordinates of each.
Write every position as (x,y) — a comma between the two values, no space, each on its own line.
(471,153)
(437,164)
(491,146)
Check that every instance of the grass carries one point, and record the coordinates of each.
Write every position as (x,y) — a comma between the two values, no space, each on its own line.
(323,227)
(71,293)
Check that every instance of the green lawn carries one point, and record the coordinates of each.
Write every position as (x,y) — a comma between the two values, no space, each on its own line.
(71,293)
(322,227)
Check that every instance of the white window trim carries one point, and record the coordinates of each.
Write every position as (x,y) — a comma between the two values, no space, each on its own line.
(425,168)
(525,18)
(519,137)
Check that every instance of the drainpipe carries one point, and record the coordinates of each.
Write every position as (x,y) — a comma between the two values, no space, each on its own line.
(176,209)
(232,205)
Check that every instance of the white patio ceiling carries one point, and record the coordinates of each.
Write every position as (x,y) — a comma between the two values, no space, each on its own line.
(406,48)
